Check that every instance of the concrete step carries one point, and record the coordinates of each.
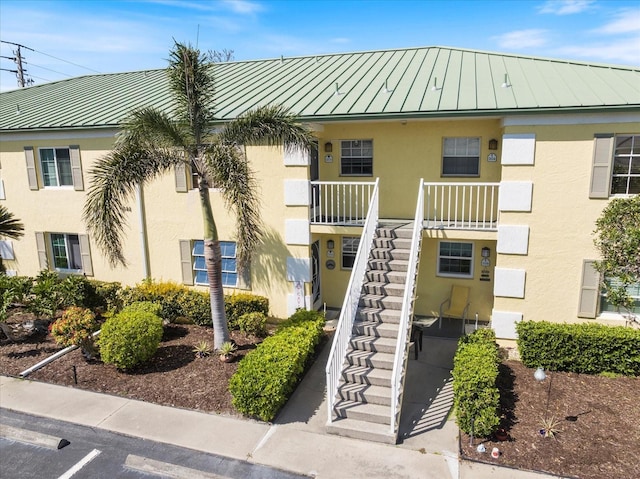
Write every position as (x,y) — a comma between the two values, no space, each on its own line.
(400,243)
(366,375)
(390,253)
(370,359)
(403,231)
(377,314)
(375,328)
(387,265)
(383,289)
(374,344)
(365,393)
(373,413)
(383,302)
(367,431)
(396,277)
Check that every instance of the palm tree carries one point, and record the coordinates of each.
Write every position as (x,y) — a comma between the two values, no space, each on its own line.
(10,226)
(152,142)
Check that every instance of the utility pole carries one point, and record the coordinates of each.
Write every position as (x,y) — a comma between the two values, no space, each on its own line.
(23,80)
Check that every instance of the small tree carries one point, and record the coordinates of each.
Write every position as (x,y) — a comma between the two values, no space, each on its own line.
(618,241)
(10,226)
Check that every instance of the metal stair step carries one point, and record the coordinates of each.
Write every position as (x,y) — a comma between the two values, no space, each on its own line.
(367,431)
(375,344)
(390,254)
(372,413)
(366,313)
(358,357)
(396,277)
(383,289)
(378,301)
(382,242)
(365,393)
(375,328)
(388,265)
(367,375)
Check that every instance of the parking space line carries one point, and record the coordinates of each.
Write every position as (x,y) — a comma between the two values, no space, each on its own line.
(80,464)
(144,464)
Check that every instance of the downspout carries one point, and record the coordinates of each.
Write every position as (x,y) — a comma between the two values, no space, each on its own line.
(143,231)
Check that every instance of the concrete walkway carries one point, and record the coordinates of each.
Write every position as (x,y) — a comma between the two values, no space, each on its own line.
(297,440)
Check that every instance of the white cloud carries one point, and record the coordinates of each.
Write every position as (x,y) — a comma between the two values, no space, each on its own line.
(626,51)
(627,21)
(565,7)
(243,7)
(519,39)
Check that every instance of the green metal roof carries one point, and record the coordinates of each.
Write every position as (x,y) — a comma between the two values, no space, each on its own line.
(412,82)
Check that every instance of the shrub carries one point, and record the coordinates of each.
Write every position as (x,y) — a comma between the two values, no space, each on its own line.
(131,337)
(580,348)
(107,296)
(196,306)
(476,397)
(75,328)
(253,323)
(47,294)
(20,287)
(266,376)
(235,305)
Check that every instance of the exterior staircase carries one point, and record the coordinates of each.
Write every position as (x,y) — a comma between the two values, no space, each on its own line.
(363,405)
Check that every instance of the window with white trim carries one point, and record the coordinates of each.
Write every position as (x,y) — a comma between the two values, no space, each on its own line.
(455,259)
(633,290)
(356,157)
(65,252)
(625,177)
(349,251)
(461,157)
(229,264)
(55,164)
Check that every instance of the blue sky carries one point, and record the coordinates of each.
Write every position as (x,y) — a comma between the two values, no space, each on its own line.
(78,37)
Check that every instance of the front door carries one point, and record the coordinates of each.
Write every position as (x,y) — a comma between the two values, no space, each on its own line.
(316,297)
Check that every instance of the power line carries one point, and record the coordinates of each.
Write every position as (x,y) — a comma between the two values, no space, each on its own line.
(45,68)
(66,61)
(23,80)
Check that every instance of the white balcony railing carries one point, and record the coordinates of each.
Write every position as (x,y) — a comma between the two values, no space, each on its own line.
(466,206)
(340,202)
(349,309)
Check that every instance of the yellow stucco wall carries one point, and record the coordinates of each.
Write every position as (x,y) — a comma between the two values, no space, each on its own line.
(561,221)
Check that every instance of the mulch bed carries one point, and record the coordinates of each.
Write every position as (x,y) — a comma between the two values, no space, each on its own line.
(599,417)
(599,422)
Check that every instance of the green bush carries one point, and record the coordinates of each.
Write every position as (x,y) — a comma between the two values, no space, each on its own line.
(580,348)
(476,398)
(75,327)
(235,305)
(131,337)
(47,294)
(196,306)
(253,323)
(267,376)
(106,296)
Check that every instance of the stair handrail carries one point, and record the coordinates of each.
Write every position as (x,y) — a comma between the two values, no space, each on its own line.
(349,309)
(406,314)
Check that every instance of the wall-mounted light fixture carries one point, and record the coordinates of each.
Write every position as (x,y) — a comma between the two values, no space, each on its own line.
(331,244)
(493,144)
(486,252)
(328,147)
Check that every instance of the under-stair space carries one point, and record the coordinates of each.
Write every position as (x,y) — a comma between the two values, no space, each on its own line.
(363,408)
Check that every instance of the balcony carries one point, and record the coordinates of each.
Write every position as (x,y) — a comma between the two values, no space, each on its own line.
(340,203)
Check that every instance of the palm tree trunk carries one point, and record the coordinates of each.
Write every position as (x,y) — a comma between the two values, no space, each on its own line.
(213,260)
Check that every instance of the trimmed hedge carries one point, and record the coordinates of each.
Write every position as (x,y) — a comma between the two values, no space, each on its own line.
(131,337)
(580,348)
(235,305)
(267,376)
(476,398)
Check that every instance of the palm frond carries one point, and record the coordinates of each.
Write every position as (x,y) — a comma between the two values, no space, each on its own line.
(268,125)
(114,178)
(154,128)
(229,171)
(10,226)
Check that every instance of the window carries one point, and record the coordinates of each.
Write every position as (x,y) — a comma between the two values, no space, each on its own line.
(356,157)
(455,259)
(65,250)
(349,250)
(229,265)
(461,157)
(625,178)
(56,167)
(633,290)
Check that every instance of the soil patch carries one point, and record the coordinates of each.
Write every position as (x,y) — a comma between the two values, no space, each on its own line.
(599,429)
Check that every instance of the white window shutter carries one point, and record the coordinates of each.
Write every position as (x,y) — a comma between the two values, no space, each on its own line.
(182,185)
(41,245)
(589,290)
(600,185)
(32,174)
(76,168)
(185,261)
(85,254)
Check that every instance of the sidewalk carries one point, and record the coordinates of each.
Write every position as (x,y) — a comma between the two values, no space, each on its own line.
(296,441)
